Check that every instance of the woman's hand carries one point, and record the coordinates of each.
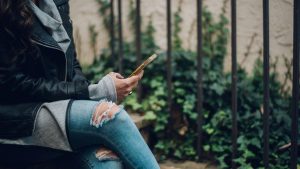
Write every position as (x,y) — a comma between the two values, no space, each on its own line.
(125,86)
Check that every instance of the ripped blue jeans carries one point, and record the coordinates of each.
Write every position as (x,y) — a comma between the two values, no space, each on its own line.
(105,137)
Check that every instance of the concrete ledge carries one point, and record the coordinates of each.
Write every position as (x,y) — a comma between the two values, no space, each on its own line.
(139,121)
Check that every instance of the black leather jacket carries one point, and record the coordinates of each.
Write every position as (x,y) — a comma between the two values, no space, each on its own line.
(53,76)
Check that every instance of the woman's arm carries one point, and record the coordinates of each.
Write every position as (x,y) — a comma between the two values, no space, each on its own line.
(17,86)
(78,75)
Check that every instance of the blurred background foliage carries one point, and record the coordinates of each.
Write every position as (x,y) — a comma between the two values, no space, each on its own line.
(179,139)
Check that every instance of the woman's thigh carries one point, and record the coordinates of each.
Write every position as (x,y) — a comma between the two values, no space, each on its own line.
(104,123)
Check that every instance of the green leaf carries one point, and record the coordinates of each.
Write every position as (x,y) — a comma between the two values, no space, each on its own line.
(150,115)
(206,147)
(178,154)
(216,107)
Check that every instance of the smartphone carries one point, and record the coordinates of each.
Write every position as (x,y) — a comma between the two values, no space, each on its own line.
(143,65)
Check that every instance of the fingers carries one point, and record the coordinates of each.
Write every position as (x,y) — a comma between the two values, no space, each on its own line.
(141,74)
(133,80)
(125,85)
(116,75)
(119,76)
(136,77)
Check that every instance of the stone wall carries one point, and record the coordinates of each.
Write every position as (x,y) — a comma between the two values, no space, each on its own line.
(249,29)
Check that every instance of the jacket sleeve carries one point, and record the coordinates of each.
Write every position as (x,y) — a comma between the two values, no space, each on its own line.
(78,74)
(15,85)
(18,86)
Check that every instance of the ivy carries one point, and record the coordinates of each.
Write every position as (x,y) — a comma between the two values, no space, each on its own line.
(179,141)
(177,42)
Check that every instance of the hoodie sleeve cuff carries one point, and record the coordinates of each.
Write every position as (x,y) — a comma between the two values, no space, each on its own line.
(104,89)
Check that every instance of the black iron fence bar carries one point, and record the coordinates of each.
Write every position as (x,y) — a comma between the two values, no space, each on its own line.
(234,82)
(138,41)
(120,30)
(112,31)
(199,79)
(169,53)
(295,101)
(266,77)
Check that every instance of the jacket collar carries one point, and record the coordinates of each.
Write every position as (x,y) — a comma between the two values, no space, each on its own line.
(40,35)
(60,2)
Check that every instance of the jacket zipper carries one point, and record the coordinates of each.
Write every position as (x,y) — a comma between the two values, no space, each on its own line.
(53,47)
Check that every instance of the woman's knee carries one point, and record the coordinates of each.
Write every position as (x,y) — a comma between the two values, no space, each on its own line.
(104,112)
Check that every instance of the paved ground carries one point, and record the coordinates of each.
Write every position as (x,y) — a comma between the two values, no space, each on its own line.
(186,165)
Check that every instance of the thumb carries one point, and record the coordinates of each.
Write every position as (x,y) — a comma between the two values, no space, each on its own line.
(133,79)
(116,75)
(119,76)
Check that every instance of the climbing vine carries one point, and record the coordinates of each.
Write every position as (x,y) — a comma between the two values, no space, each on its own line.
(179,140)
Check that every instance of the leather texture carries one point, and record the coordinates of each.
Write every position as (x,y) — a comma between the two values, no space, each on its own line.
(53,75)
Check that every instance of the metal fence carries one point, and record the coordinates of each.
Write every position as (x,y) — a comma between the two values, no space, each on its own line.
(266,68)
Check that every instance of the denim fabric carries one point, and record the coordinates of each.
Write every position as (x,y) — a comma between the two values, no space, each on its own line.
(118,134)
(86,159)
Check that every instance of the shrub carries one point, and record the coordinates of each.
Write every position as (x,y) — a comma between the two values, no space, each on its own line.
(179,139)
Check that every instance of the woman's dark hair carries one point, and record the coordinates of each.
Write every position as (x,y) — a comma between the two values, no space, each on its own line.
(16,22)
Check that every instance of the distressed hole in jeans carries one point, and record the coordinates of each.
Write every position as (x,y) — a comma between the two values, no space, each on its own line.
(104,154)
(104,112)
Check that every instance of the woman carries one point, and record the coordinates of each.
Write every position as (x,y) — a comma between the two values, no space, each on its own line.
(47,106)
